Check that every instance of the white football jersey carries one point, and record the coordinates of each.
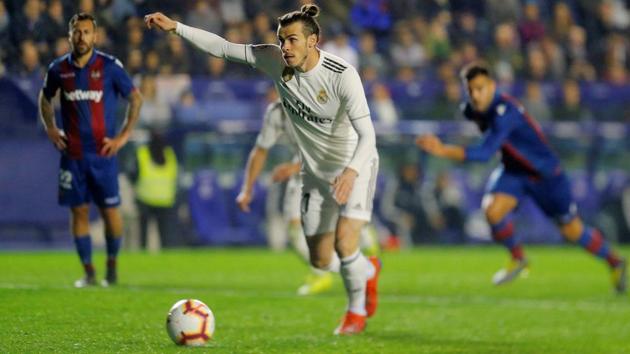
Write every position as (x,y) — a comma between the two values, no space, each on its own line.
(320,103)
(275,125)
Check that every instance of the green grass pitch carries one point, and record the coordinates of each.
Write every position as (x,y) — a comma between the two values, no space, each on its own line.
(434,300)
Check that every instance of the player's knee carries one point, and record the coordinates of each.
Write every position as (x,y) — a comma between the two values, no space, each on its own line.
(494,214)
(320,262)
(572,230)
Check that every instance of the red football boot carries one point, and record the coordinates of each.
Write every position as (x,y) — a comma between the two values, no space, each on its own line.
(350,324)
(371,289)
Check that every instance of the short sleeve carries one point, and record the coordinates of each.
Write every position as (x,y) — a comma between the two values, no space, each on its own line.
(51,83)
(352,94)
(121,80)
(272,127)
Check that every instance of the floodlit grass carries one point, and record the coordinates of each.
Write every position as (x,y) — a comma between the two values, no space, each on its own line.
(434,300)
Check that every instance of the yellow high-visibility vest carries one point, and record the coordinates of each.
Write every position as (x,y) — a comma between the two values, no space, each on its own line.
(157,184)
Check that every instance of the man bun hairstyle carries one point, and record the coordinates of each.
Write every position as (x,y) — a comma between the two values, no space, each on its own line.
(306,15)
(81,16)
(473,70)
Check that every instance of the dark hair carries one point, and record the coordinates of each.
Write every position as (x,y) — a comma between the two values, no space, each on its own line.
(81,16)
(306,15)
(473,70)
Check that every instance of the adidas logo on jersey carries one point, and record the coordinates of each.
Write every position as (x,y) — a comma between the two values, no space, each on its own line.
(84,95)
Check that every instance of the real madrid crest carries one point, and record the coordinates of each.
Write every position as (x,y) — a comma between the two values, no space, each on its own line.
(322,96)
(96,74)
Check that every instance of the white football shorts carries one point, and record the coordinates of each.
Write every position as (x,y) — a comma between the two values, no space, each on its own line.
(319,209)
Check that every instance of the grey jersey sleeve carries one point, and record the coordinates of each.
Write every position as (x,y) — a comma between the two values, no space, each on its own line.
(265,57)
(353,98)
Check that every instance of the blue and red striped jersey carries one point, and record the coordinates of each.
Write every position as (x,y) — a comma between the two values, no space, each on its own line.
(88,99)
(507,126)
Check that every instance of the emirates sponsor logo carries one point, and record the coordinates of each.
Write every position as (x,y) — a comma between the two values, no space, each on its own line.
(84,95)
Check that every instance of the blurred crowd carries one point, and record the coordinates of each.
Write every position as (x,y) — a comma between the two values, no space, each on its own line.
(568,42)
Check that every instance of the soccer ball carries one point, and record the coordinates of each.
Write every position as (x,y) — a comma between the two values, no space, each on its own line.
(190,322)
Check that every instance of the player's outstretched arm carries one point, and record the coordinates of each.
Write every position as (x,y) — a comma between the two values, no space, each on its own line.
(47,116)
(434,146)
(255,164)
(208,42)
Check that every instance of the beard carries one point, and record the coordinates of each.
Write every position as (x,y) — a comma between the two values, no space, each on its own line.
(81,48)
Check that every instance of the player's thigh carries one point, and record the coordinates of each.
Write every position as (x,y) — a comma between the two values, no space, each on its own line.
(361,199)
(503,192)
(103,181)
(553,196)
(318,209)
(321,248)
(72,182)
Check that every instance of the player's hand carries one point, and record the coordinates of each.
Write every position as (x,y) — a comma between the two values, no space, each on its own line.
(160,21)
(343,184)
(111,146)
(58,138)
(243,200)
(429,143)
(283,172)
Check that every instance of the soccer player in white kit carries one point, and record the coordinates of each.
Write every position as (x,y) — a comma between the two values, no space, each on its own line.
(324,97)
(277,124)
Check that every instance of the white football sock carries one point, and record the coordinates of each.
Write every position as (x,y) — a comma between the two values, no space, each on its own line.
(354,274)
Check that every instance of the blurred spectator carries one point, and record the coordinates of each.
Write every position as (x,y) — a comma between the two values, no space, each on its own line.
(571,107)
(408,200)
(506,57)
(582,70)
(232,11)
(575,46)
(531,28)
(155,113)
(617,50)
(381,105)
(537,67)
(437,42)
(562,22)
(188,112)
(616,74)
(443,201)
(152,62)
(54,24)
(406,51)
(174,58)
(503,11)
(555,58)
(261,26)
(205,16)
(29,67)
(215,68)
(5,37)
(535,102)
(155,177)
(369,57)
(61,47)
(447,105)
(134,63)
(29,25)
(469,29)
(339,45)
(104,41)
(371,15)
